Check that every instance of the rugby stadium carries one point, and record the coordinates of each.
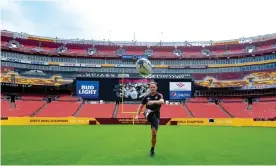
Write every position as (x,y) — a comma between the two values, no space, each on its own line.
(220,101)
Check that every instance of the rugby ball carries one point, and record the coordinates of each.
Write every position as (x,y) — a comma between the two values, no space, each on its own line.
(143,67)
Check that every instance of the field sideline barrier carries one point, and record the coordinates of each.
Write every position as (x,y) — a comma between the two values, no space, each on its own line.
(222,122)
(46,121)
(131,121)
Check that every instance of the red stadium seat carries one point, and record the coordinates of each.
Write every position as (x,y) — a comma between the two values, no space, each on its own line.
(97,110)
(128,111)
(173,111)
(263,110)
(59,109)
(23,108)
(206,110)
(237,110)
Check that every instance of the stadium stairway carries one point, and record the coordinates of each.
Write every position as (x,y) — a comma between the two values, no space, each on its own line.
(78,110)
(249,107)
(40,109)
(115,112)
(188,111)
(224,110)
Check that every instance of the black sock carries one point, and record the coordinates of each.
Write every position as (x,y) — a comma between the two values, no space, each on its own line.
(152,149)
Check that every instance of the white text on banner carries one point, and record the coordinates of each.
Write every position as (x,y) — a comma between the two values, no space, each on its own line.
(90,65)
(125,65)
(69,64)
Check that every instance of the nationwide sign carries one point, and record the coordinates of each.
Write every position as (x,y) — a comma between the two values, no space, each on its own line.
(134,75)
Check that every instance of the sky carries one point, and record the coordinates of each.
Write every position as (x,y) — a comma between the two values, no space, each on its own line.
(142,20)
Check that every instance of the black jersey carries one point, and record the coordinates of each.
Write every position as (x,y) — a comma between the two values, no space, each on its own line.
(154,107)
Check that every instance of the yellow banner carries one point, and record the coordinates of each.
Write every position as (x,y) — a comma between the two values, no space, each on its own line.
(54,63)
(161,66)
(107,65)
(223,122)
(242,64)
(41,39)
(225,43)
(46,121)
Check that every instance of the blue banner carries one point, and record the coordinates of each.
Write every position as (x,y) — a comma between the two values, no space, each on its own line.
(133,57)
(179,95)
(88,89)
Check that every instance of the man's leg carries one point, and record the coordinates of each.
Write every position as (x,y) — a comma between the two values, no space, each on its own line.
(154,128)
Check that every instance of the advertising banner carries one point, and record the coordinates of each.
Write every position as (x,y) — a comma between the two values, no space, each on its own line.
(180,90)
(108,121)
(13,60)
(45,121)
(90,65)
(88,89)
(70,64)
(134,75)
(38,63)
(125,65)
(188,67)
(26,61)
(133,57)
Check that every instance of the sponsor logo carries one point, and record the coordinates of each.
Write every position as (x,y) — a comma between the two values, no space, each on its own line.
(173,94)
(88,89)
(179,95)
(180,84)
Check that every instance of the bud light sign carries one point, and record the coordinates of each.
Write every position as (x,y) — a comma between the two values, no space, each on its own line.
(88,89)
(180,90)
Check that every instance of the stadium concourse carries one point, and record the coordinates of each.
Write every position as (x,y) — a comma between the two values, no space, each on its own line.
(211,80)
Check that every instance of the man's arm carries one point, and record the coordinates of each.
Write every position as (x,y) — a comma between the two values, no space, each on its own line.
(158,102)
(139,109)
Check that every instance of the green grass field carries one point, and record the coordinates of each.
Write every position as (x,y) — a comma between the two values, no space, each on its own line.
(127,144)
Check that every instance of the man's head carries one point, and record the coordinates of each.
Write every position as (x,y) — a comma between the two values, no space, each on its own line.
(153,87)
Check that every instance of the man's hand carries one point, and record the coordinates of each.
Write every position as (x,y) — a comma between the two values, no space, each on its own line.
(136,117)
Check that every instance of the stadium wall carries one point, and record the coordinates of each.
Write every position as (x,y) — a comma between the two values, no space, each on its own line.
(45,121)
(130,121)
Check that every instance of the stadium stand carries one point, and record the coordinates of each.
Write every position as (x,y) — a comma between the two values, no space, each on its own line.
(59,109)
(174,111)
(198,99)
(67,98)
(237,110)
(23,108)
(128,111)
(268,98)
(199,107)
(263,110)
(97,110)
(206,110)
(31,97)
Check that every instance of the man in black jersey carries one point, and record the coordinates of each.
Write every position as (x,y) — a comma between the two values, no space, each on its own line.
(153,102)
